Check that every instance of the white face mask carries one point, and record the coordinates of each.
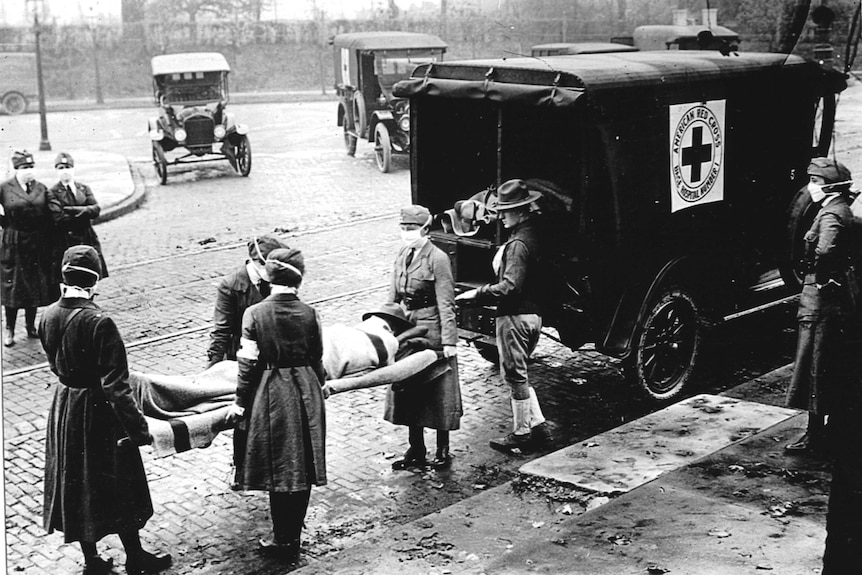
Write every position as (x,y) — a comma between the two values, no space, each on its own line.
(816,192)
(75,291)
(66,175)
(25,175)
(411,236)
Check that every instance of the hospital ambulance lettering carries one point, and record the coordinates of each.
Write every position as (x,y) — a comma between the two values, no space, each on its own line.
(696,153)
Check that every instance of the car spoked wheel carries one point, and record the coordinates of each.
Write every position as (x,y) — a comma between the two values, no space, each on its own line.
(243,157)
(349,136)
(14,103)
(668,346)
(383,148)
(160,163)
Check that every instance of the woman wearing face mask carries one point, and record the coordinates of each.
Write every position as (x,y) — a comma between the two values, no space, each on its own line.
(27,247)
(826,302)
(423,285)
(73,209)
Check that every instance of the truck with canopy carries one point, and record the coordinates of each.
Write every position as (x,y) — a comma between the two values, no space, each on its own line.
(672,181)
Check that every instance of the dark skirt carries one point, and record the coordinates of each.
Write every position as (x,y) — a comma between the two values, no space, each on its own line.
(92,487)
(435,405)
(822,365)
(286,426)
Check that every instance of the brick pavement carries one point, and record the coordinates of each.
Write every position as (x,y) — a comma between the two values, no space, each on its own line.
(212,530)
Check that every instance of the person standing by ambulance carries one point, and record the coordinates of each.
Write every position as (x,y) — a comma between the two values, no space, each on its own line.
(825,304)
(517,294)
(422,283)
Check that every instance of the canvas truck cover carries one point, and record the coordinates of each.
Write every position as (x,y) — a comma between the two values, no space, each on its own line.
(371,41)
(189,62)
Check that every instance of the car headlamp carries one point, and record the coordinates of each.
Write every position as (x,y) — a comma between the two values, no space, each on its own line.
(180,135)
(404,123)
(219,132)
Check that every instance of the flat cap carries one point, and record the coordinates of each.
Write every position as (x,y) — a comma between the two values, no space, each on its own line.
(22,159)
(285,266)
(64,160)
(81,266)
(833,171)
(259,247)
(415,215)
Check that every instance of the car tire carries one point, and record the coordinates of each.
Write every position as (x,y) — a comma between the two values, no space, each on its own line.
(14,103)
(667,347)
(160,163)
(360,114)
(349,132)
(243,157)
(800,216)
(488,352)
(382,148)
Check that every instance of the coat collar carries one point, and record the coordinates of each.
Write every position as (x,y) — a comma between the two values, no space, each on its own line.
(16,188)
(418,255)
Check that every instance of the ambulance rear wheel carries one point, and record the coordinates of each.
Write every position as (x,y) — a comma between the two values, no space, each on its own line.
(160,163)
(667,347)
(383,148)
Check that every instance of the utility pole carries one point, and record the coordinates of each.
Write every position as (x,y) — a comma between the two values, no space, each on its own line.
(94,30)
(44,144)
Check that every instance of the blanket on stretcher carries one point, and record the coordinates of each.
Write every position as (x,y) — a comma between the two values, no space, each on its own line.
(189,411)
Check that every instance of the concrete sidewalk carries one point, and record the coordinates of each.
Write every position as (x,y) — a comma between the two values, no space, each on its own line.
(117,187)
(702,487)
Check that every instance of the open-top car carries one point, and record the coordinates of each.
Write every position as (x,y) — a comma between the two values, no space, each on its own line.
(367,66)
(191,91)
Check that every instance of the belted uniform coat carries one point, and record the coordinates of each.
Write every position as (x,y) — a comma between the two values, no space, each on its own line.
(27,247)
(93,487)
(436,404)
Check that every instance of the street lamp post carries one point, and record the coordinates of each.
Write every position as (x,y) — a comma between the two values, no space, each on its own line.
(44,144)
(94,29)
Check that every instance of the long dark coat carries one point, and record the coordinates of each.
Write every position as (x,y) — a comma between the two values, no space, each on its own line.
(92,486)
(27,247)
(822,366)
(236,293)
(281,393)
(73,219)
(436,404)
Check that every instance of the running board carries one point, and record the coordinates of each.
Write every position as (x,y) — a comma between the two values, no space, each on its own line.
(756,309)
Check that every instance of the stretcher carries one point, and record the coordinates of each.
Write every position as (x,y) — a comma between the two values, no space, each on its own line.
(188,411)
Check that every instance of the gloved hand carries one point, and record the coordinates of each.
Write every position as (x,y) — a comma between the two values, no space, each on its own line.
(450,351)
(234,413)
(73,211)
(327,391)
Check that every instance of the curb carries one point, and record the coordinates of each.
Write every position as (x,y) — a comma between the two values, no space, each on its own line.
(128,204)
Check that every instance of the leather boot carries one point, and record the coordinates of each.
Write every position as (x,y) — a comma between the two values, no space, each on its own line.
(442,459)
(8,337)
(31,332)
(411,458)
(145,562)
(98,566)
(288,552)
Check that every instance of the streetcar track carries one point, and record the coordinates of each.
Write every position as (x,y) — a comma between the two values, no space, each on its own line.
(190,330)
(234,245)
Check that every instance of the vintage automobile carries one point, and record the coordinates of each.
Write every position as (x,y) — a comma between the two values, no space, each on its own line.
(673,189)
(17,81)
(562,48)
(191,92)
(688,37)
(367,65)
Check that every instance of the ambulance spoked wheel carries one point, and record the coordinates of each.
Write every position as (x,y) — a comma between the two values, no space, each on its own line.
(383,148)
(667,347)
(243,157)
(349,132)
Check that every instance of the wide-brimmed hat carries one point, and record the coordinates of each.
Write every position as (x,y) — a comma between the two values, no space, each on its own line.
(394,315)
(64,160)
(22,159)
(259,247)
(285,266)
(419,215)
(514,194)
(81,266)
(833,171)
